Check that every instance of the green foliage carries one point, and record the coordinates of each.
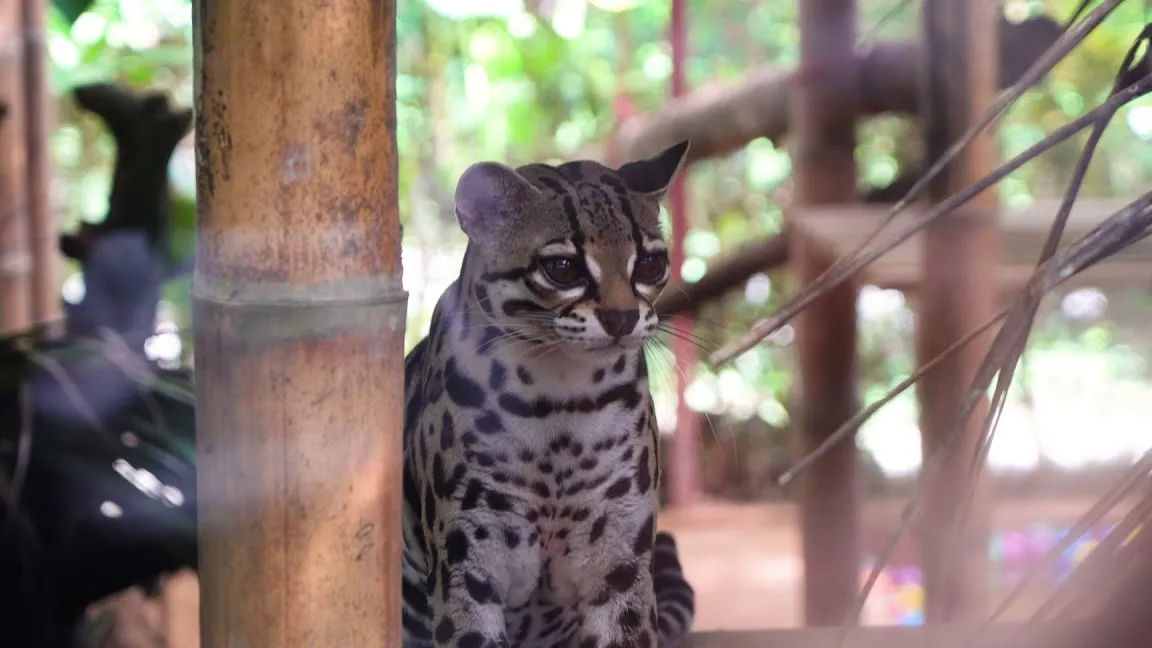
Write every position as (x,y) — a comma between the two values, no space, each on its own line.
(537,81)
(70,10)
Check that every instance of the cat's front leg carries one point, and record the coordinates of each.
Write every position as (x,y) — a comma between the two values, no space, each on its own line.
(619,603)
(467,591)
(623,615)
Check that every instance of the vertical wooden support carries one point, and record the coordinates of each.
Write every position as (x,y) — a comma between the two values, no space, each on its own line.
(38,124)
(958,293)
(15,249)
(299,320)
(684,449)
(824,109)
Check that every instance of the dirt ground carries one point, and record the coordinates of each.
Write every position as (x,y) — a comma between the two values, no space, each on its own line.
(742,560)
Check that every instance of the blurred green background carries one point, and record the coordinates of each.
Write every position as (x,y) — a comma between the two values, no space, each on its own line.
(536,80)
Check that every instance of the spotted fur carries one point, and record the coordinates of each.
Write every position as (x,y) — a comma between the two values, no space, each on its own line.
(530,443)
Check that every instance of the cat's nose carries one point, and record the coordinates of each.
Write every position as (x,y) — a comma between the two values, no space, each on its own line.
(618,322)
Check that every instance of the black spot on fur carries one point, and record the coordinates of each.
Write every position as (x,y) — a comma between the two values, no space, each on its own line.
(598,375)
(444,630)
(463,391)
(471,640)
(597,529)
(523,375)
(488,339)
(479,589)
(645,537)
(514,307)
(618,366)
(643,473)
(619,488)
(622,577)
(447,432)
(511,538)
(456,547)
(629,620)
(472,496)
(489,423)
(498,501)
(498,376)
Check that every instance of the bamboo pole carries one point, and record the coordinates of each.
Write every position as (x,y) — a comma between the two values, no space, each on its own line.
(959,291)
(15,252)
(299,320)
(825,110)
(44,286)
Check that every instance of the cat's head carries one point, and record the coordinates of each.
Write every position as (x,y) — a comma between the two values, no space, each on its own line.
(571,255)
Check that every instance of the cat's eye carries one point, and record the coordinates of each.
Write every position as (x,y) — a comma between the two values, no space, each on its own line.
(650,268)
(562,271)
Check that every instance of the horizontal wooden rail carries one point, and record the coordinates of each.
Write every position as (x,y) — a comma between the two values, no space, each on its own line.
(952,635)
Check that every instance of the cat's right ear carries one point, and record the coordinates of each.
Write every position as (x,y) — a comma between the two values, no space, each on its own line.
(488,193)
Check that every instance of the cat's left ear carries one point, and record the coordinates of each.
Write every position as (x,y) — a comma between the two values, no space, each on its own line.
(652,177)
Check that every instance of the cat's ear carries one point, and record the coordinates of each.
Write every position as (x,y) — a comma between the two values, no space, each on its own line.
(486,194)
(653,176)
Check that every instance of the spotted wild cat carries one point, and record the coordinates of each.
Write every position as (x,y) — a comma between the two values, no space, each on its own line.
(530,441)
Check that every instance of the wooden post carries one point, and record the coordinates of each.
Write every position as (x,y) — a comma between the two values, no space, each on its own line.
(38,124)
(299,321)
(15,250)
(958,292)
(684,447)
(825,110)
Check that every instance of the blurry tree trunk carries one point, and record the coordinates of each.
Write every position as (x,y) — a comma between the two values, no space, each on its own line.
(958,292)
(299,321)
(823,152)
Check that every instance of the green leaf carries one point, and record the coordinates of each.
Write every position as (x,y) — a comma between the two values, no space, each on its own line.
(71,9)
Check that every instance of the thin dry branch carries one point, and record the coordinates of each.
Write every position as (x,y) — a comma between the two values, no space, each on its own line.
(1004,355)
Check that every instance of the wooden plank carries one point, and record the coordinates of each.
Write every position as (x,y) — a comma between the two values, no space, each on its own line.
(953,635)
(1022,234)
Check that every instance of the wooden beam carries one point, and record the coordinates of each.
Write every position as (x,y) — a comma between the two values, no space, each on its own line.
(299,323)
(825,110)
(721,117)
(958,294)
(952,635)
(1022,235)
